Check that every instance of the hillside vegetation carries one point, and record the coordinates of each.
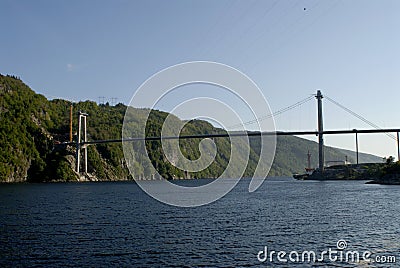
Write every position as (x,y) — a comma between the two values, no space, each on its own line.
(33,127)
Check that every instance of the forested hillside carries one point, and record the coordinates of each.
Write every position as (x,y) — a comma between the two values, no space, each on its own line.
(33,130)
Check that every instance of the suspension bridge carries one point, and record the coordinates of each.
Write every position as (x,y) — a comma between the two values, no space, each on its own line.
(82,142)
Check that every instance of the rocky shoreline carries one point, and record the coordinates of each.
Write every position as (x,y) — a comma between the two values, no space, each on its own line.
(375,173)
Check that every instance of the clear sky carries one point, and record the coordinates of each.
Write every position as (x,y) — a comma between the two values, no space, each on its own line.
(349,49)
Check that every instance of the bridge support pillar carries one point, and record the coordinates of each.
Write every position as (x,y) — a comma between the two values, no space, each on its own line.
(320,132)
(398,147)
(81,117)
(355,130)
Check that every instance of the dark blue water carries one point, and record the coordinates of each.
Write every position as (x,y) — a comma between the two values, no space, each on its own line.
(116,224)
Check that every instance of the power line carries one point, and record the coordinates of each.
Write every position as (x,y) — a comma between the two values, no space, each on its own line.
(113,100)
(101,100)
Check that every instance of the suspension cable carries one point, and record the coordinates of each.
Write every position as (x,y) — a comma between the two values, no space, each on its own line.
(276,113)
(359,116)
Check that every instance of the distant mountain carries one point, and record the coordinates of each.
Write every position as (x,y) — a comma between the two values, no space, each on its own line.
(362,157)
(291,155)
(33,129)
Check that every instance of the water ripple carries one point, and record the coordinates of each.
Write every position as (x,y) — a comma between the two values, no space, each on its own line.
(116,224)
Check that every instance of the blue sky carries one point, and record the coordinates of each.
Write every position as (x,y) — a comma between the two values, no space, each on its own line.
(82,50)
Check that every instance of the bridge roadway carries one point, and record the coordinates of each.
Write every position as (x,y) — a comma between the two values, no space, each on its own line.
(83,143)
(238,134)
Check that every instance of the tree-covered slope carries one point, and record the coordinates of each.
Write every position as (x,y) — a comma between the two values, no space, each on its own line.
(33,131)
(24,139)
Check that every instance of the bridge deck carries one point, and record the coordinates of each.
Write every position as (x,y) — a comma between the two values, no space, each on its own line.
(238,134)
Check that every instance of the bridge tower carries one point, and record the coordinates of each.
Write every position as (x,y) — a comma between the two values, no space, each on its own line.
(320,131)
(70,123)
(81,117)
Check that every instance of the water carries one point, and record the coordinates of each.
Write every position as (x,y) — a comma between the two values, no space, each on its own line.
(116,224)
